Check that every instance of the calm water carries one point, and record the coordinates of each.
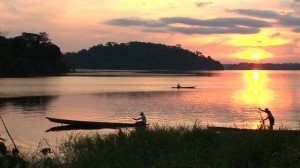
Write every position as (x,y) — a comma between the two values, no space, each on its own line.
(221,98)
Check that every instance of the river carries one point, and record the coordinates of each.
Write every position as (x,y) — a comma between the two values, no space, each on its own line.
(220,98)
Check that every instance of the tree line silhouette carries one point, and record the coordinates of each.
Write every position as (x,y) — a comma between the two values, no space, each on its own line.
(30,55)
(260,66)
(35,55)
(140,56)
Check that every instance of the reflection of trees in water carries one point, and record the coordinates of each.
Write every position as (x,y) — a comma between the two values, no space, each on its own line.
(136,95)
(28,103)
(182,73)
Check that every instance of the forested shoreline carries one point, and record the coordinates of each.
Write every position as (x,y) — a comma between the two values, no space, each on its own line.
(140,56)
(35,55)
(30,55)
(260,66)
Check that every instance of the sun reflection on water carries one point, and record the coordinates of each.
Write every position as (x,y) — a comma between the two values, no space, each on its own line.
(255,94)
(256,91)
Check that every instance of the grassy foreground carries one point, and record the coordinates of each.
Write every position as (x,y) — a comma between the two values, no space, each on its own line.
(175,147)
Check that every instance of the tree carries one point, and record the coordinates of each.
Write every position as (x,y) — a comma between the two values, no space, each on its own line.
(29,55)
(3,34)
(178,45)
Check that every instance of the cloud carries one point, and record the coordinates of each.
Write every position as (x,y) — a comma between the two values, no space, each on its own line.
(257,13)
(274,35)
(134,22)
(295,5)
(297,29)
(194,26)
(227,30)
(286,20)
(203,4)
(219,22)
(155,30)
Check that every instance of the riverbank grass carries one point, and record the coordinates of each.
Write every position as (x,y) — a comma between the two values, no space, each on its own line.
(180,146)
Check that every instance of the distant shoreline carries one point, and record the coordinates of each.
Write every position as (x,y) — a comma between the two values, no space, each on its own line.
(149,73)
(262,66)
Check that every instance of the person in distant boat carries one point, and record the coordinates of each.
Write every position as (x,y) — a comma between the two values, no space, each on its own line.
(270,117)
(142,119)
(178,85)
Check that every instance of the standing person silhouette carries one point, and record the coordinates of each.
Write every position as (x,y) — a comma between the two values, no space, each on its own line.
(143,120)
(270,117)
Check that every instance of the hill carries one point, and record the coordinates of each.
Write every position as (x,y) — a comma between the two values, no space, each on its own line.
(140,56)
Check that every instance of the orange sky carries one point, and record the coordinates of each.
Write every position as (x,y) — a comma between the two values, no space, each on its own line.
(230,31)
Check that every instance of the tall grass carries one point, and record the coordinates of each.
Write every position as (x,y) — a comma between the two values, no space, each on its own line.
(180,146)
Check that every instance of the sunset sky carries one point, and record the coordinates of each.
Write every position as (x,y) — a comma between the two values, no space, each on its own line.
(230,31)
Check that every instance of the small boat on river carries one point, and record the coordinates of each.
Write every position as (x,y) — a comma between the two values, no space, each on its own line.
(93,124)
(184,87)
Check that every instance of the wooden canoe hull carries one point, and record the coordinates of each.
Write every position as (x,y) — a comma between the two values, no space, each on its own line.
(92,123)
(184,87)
(76,127)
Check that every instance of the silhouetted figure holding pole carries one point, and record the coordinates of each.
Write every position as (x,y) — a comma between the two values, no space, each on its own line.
(141,120)
(270,117)
(178,85)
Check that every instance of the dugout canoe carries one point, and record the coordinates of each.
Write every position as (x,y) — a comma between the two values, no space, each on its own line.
(91,124)
(75,127)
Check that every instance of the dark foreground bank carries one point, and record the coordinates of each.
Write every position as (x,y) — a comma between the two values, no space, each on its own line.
(174,147)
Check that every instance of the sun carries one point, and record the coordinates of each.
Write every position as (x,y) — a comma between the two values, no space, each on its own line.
(254,54)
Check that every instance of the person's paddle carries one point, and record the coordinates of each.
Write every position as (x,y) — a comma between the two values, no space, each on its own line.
(15,150)
(262,122)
